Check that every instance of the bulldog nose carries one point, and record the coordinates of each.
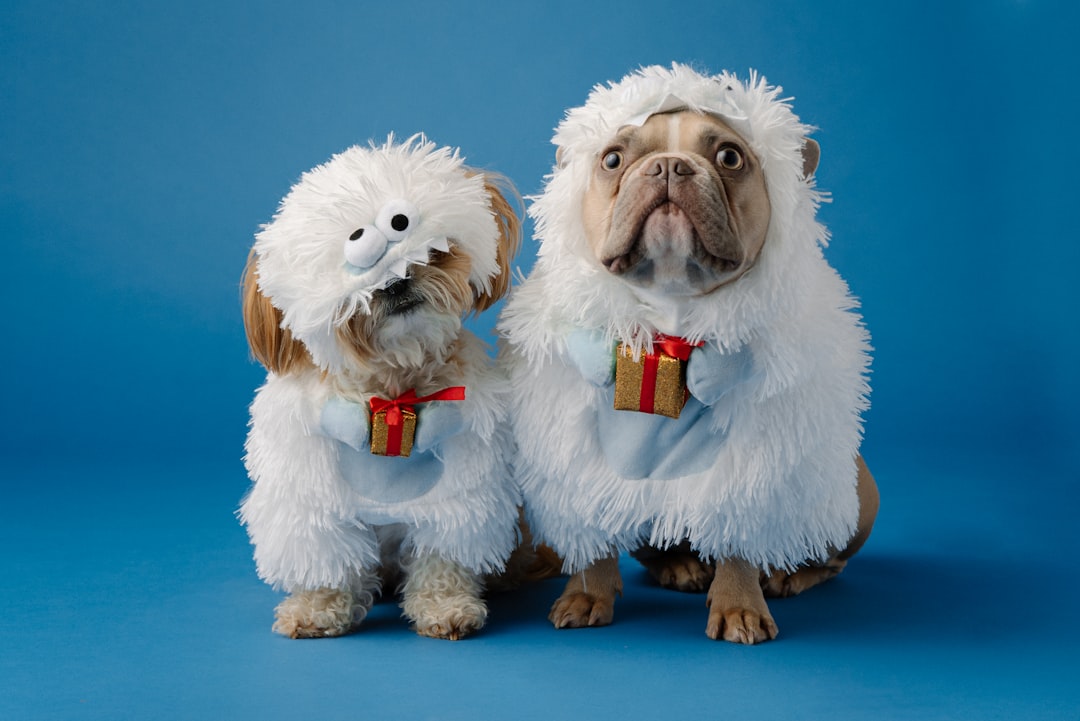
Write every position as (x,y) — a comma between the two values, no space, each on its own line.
(671,168)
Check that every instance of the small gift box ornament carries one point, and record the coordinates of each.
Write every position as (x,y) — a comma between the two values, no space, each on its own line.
(655,382)
(393,422)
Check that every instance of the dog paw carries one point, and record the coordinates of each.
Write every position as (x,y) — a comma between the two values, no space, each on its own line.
(442,598)
(321,613)
(680,572)
(740,625)
(578,609)
(454,624)
(781,584)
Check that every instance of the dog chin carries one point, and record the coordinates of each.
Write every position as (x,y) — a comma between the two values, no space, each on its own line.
(417,337)
(676,278)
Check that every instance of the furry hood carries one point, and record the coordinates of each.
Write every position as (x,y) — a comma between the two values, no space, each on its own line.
(778,483)
(585,295)
(333,242)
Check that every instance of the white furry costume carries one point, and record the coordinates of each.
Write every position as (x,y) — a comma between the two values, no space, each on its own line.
(778,484)
(321,502)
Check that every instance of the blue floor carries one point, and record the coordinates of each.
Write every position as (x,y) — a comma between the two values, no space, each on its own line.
(130,594)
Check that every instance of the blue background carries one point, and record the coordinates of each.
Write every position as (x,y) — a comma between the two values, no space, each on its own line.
(142,144)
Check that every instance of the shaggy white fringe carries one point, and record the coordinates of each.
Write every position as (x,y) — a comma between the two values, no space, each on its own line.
(312,529)
(782,488)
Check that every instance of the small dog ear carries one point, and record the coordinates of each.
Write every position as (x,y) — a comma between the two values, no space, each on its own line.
(272,345)
(498,188)
(811,154)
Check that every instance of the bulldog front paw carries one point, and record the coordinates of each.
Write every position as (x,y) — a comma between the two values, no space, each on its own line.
(737,608)
(577,609)
(740,625)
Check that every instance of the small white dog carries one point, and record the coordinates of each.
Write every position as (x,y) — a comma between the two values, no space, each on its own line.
(379,444)
(680,221)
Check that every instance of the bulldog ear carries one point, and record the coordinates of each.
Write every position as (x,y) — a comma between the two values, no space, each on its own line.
(811,154)
(498,188)
(272,345)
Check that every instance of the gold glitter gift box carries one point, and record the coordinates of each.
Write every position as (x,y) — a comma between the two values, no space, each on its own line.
(655,382)
(393,421)
(393,439)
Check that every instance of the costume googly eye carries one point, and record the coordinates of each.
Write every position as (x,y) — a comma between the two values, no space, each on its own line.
(365,246)
(396,219)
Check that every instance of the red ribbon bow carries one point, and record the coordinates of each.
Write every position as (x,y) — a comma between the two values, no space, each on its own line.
(668,345)
(408,401)
(675,347)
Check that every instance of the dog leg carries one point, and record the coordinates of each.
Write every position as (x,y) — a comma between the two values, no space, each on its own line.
(678,567)
(589,596)
(737,608)
(324,612)
(442,598)
(783,583)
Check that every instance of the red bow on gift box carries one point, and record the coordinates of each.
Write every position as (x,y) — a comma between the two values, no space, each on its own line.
(675,347)
(668,345)
(396,408)
(653,382)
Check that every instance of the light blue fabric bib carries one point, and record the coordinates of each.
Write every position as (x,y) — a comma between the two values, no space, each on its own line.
(389,479)
(641,446)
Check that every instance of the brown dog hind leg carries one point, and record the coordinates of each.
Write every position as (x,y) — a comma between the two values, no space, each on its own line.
(589,596)
(737,608)
(782,583)
(678,567)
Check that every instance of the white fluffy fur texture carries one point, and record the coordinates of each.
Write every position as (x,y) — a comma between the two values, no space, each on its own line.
(310,527)
(782,488)
(306,280)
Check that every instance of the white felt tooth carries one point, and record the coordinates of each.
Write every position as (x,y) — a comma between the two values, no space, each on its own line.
(441,244)
(400,268)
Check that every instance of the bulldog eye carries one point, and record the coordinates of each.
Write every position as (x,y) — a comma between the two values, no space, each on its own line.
(729,158)
(396,219)
(612,160)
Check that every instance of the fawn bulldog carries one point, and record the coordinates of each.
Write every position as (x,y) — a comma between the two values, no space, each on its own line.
(689,373)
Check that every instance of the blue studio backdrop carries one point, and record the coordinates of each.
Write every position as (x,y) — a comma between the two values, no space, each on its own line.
(143,144)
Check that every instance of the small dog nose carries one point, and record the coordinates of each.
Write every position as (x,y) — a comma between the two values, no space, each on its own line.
(668,167)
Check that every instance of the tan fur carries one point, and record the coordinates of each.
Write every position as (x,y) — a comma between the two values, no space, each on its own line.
(678,567)
(589,596)
(444,282)
(618,213)
(272,345)
(509,223)
(671,217)
(737,608)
